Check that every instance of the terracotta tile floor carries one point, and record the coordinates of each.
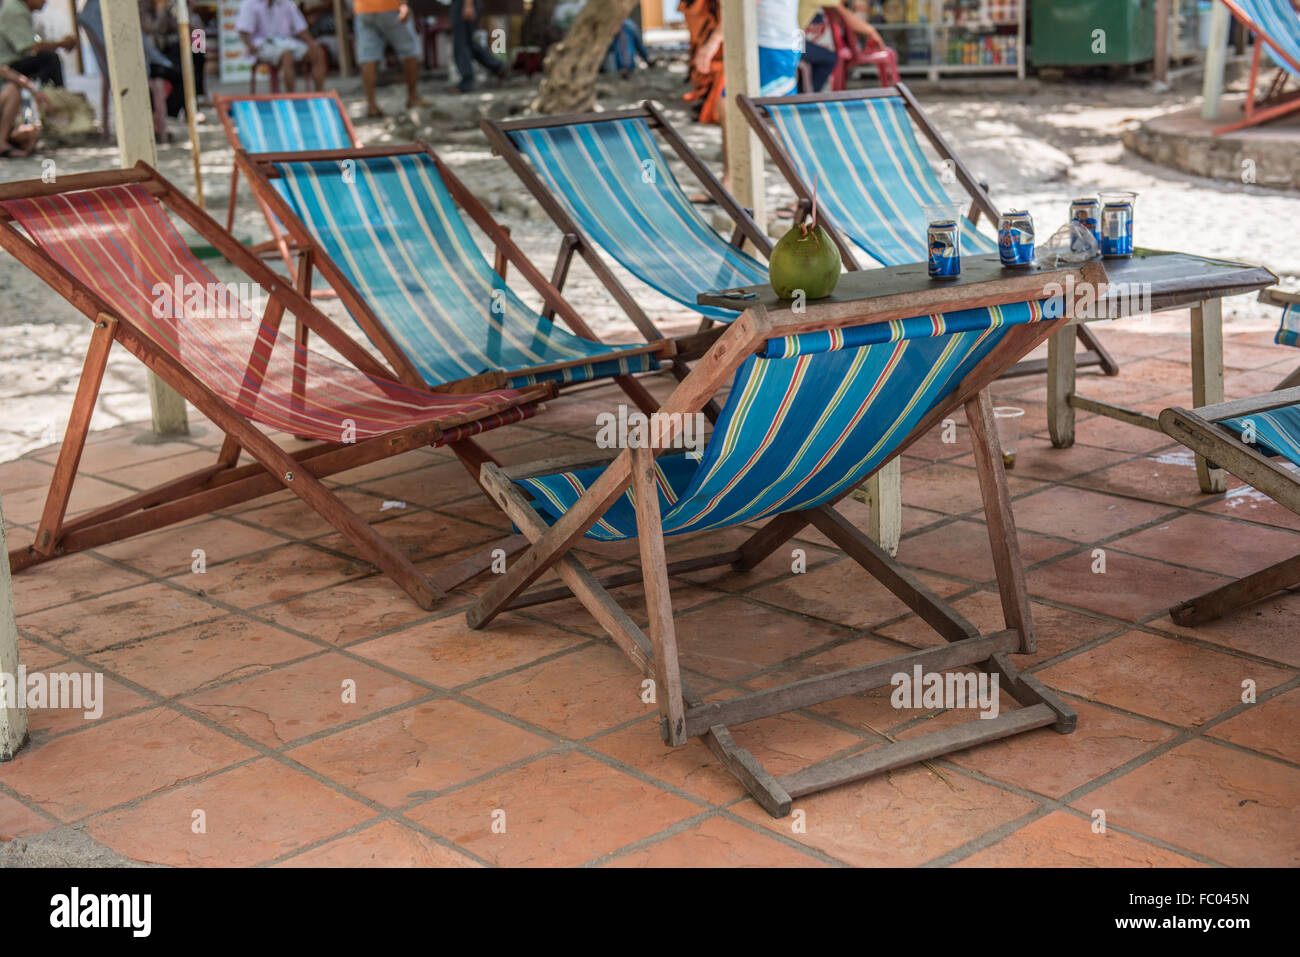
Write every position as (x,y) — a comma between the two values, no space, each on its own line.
(529,743)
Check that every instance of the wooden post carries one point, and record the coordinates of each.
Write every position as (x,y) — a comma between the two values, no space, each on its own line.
(191,100)
(341,35)
(1060,386)
(740,65)
(1160,67)
(13,721)
(1207,378)
(885,495)
(1216,60)
(133,114)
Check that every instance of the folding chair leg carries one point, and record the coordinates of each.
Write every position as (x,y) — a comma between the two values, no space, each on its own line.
(230,205)
(1244,591)
(1290,382)
(1001,523)
(74,437)
(1092,344)
(663,635)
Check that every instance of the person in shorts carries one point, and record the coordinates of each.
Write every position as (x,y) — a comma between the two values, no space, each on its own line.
(380,24)
(275,32)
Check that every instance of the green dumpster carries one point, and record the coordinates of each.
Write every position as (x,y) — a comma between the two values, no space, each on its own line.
(1067,33)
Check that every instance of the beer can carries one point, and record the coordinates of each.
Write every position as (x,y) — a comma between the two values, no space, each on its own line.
(1016,238)
(1117,228)
(943,238)
(1088,213)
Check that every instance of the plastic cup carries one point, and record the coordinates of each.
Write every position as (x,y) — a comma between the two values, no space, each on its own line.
(1116,223)
(1007,419)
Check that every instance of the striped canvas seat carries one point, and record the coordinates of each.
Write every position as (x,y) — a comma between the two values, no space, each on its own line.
(872,177)
(613,181)
(394,230)
(284,124)
(1280,22)
(1276,432)
(1288,333)
(806,418)
(121,243)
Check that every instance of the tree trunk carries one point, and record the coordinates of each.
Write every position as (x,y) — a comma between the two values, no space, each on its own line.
(569,73)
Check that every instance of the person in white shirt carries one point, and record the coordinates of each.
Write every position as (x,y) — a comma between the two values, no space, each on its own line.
(780,44)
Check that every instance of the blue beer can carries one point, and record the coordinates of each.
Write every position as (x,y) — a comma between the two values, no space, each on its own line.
(1016,238)
(943,239)
(1088,213)
(1117,228)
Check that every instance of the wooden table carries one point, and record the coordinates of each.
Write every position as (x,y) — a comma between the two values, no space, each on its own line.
(1172,281)
(1151,281)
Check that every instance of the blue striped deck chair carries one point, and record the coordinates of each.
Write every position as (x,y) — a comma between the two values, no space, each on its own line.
(384,227)
(1288,331)
(874,180)
(607,185)
(1276,26)
(818,402)
(281,122)
(1258,440)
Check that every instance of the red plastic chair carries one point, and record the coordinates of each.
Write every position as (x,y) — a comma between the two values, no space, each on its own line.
(853,53)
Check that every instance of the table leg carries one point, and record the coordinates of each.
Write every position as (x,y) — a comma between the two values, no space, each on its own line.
(885,494)
(1060,386)
(1207,377)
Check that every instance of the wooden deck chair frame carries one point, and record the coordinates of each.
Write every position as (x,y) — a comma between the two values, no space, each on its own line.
(221,102)
(574,240)
(1276,297)
(682,712)
(225,482)
(755,112)
(1200,431)
(259,170)
(1275,103)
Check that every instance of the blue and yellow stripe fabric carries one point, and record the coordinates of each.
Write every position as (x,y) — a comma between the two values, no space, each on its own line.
(391,226)
(806,418)
(871,175)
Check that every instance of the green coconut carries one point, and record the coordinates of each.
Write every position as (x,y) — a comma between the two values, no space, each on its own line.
(805,259)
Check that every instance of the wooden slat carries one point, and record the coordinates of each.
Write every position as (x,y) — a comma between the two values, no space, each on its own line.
(1118,412)
(1244,591)
(1207,378)
(902,583)
(659,608)
(1220,446)
(890,756)
(998,518)
(839,684)
(74,437)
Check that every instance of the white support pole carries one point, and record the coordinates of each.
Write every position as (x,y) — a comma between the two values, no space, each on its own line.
(1216,61)
(191,98)
(740,65)
(13,721)
(133,113)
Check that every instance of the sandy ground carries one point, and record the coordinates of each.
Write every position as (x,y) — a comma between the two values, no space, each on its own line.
(1036,145)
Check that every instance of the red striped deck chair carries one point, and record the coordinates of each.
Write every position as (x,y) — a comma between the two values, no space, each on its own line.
(819,400)
(105,242)
(281,122)
(1276,26)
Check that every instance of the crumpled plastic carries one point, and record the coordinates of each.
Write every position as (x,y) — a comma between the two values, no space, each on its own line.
(1072,243)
